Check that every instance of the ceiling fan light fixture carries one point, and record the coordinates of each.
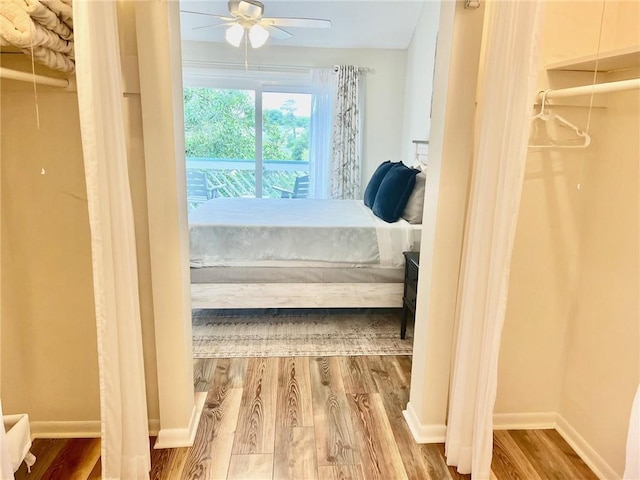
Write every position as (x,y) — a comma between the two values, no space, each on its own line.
(258,36)
(234,35)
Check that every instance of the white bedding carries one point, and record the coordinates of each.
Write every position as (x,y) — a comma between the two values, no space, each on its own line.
(250,231)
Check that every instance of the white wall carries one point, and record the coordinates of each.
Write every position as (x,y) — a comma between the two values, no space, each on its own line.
(384,87)
(419,81)
(446,198)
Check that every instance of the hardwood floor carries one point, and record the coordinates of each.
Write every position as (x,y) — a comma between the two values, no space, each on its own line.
(328,418)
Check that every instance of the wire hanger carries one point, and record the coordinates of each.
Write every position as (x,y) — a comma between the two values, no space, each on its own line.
(547,117)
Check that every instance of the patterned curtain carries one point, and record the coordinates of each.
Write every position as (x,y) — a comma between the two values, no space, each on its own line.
(345,158)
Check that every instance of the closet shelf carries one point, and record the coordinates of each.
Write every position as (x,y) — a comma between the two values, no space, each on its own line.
(621,59)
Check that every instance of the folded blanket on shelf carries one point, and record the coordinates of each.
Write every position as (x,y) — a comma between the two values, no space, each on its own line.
(41,28)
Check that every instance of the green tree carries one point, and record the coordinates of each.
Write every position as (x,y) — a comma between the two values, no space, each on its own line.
(289,109)
(219,123)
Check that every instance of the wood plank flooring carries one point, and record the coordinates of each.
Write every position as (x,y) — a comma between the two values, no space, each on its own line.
(324,418)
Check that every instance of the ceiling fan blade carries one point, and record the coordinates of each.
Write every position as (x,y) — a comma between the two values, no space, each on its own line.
(213,25)
(228,19)
(297,22)
(278,33)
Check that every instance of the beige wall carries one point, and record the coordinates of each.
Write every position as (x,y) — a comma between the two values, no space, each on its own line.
(160,68)
(137,180)
(570,342)
(572,28)
(384,107)
(542,285)
(603,343)
(49,352)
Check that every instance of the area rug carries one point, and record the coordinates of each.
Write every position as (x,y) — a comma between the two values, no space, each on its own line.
(289,332)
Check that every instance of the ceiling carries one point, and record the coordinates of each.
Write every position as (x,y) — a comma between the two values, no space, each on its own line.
(355,24)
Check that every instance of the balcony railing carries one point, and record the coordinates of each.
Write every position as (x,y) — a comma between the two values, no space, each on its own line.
(235,177)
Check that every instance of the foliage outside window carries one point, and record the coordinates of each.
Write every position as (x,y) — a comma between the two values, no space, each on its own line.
(220,125)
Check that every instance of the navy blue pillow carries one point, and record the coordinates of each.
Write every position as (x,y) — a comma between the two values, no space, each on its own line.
(376,179)
(394,192)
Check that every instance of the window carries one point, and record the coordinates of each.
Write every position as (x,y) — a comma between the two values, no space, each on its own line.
(247,140)
(285,139)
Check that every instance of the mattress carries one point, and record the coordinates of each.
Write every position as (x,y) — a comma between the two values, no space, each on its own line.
(250,232)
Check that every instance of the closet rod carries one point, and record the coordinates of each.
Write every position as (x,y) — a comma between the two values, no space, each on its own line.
(29,77)
(588,89)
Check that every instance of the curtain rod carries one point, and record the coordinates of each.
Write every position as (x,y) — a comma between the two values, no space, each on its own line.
(30,77)
(240,66)
(360,69)
(619,86)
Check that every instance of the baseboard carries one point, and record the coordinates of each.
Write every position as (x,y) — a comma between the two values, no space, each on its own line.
(501,421)
(84,429)
(423,433)
(521,421)
(585,451)
(182,437)
(524,421)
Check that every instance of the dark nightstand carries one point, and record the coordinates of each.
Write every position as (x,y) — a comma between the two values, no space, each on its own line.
(411,266)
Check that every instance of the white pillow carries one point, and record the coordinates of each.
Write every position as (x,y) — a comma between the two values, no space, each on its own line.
(413,211)
(419,166)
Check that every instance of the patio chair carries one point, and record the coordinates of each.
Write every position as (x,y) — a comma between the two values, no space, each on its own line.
(300,188)
(199,189)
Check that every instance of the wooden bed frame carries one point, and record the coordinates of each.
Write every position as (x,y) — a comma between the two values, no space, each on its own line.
(296,295)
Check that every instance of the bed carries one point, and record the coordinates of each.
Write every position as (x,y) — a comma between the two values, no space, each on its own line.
(270,253)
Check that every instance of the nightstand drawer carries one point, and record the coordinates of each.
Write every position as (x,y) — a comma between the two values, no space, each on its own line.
(410,301)
(412,265)
(411,292)
(412,274)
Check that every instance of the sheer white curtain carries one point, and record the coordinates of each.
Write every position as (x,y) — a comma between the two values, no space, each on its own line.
(125,435)
(506,95)
(346,150)
(6,468)
(321,130)
(632,463)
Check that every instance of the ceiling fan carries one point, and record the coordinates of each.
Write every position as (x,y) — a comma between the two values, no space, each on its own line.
(246,17)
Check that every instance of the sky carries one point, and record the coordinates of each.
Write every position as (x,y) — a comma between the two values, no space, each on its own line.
(273,101)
